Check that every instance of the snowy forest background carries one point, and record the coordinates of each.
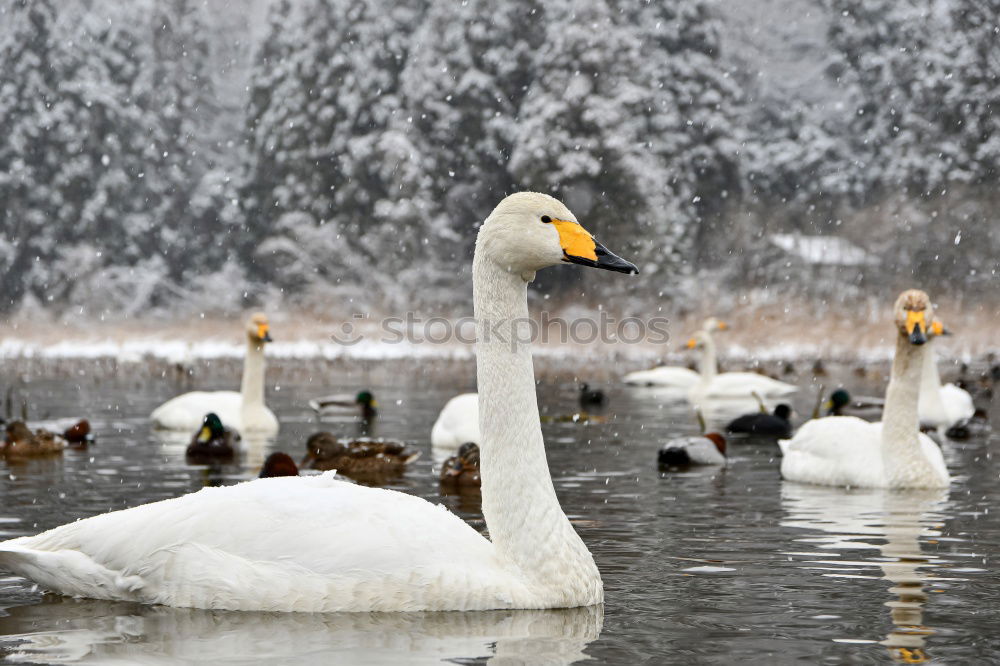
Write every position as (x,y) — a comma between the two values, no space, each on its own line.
(187,156)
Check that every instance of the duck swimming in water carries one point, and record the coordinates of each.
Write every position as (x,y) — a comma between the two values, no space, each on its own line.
(707,449)
(364,401)
(279,464)
(462,469)
(763,424)
(20,442)
(212,443)
(360,459)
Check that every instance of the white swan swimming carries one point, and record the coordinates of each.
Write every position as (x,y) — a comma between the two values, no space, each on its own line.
(847,451)
(669,376)
(318,544)
(244,412)
(941,406)
(457,423)
(714,386)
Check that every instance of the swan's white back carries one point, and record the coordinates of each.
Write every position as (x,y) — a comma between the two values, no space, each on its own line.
(457,423)
(681,379)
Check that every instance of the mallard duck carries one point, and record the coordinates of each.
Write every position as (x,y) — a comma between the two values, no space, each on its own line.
(212,443)
(763,424)
(707,449)
(244,411)
(78,435)
(364,400)
(21,442)
(591,397)
(462,469)
(842,403)
(279,464)
(359,458)
(338,547)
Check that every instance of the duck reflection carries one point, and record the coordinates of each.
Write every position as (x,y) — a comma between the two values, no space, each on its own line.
(865,519)
(90,632)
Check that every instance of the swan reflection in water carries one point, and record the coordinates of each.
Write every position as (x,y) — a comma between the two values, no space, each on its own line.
(87,631)
(853,519)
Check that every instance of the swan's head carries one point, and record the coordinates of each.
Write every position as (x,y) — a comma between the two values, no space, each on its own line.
(914,316)
(712,324)
(528,231)
(697,341)
(258,330)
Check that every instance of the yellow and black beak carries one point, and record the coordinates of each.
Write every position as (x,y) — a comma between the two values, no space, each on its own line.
(937,328)
(264,333)
(579,247)
(205,434)
(916,326)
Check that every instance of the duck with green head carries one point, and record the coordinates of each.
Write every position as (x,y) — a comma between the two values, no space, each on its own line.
(212,443)
(364,400)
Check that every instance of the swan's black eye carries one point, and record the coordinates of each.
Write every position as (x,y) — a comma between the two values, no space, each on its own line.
(546,219)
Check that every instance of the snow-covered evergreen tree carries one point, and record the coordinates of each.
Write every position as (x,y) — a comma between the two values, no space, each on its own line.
(36,142)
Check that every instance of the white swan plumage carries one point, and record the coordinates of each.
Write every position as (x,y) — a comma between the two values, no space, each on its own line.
(941,405)
(715,386)
(243,411)
(670,376)
(318,544)
(848,451)
(457,423)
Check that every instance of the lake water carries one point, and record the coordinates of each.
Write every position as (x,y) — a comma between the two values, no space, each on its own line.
(703,567)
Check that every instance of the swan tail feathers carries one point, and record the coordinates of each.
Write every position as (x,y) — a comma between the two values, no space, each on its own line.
(68,572)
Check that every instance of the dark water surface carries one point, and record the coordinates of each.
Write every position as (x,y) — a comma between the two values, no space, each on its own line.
(708,566)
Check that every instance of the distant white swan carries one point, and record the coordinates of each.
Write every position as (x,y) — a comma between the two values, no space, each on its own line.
(244,412)
(714,386)
(457,423)
(317,544)
(847,451)
(669,376)
(941,406)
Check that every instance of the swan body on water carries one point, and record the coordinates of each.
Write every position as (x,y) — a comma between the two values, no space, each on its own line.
(318,544)
(941,406)
(458,423)
(243,411)
(715,386)
(847,451)
(669,376)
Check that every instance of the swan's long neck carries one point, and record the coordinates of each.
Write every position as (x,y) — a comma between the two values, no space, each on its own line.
(931,403)
(708,365)
(526,523)
(252,388)
(904,462)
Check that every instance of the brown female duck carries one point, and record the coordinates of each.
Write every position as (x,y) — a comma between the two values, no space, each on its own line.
(462,469)
(21,442)
(361,459)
